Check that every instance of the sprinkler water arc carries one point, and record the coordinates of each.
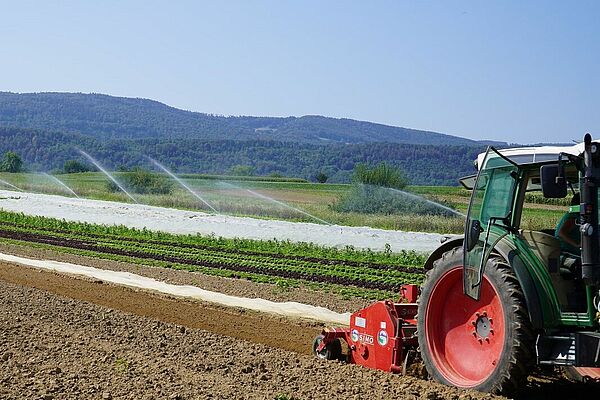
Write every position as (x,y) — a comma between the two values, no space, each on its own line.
(105,172)
(272,200)
(433,203)
(183,184)
(61,183)
(10,185)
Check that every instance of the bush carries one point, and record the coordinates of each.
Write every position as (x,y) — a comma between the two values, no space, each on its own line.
(75,166)
(11,162)
(242,170)
(321,177)
(382,174)
(141,181)
(370,199)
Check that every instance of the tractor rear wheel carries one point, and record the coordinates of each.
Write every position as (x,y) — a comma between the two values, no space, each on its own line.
(486,345)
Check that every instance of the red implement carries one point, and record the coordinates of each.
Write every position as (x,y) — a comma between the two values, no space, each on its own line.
(380,335)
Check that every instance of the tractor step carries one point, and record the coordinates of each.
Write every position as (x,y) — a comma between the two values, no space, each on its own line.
(579,349)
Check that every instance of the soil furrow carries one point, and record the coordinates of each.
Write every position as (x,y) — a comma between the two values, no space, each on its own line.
(241,324)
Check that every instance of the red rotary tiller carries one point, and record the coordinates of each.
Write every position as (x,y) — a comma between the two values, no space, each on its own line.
(381,336)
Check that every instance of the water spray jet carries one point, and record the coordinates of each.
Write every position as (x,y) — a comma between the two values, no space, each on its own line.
(105,172)
(421,198)
(281,203)
(10,185)
(183,184)
(64,185)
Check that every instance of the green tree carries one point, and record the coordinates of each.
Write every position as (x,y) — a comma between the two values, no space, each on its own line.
(75,166)
(11,162)
(242,170)
(321,177)
(142,181)
(382,174)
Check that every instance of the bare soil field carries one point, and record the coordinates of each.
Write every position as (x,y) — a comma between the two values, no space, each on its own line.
(68,338)
(57,344)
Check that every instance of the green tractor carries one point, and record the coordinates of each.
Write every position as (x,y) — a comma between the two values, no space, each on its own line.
(502,299)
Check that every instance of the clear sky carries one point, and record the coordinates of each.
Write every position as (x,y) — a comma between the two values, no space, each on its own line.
(521,71)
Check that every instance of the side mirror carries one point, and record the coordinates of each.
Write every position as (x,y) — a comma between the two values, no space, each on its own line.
(473,232)
(554,184)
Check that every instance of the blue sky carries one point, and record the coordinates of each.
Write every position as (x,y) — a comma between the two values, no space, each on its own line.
(517,71)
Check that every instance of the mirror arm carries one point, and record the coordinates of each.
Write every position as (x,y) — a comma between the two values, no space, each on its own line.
(560,176)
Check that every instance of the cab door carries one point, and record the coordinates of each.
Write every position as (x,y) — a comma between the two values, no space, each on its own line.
(489,217)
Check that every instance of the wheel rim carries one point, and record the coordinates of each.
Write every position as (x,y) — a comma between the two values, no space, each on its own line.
(465,338)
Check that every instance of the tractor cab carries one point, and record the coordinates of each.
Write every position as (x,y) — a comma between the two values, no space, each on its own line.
(507,182)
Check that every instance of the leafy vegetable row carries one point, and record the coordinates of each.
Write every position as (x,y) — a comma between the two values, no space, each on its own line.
(354,276)
(283,249)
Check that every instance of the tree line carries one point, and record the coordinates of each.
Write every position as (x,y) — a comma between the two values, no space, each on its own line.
(422,164)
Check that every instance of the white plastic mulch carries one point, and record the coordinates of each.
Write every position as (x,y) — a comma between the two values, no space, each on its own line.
(192,222)
(288,309)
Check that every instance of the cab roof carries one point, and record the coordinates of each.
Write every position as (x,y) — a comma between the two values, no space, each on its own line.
(530,155)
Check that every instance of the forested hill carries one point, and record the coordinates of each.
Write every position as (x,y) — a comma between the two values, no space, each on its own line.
(107,117)
(424,164)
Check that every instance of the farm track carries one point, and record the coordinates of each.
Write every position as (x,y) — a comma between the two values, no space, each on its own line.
(231,266)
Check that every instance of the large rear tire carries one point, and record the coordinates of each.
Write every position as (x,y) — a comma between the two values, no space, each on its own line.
(485,345)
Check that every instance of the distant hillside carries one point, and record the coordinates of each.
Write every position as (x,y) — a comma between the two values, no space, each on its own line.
(424,164)
(102,116)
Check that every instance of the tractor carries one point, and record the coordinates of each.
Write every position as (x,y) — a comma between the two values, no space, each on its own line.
(500,299)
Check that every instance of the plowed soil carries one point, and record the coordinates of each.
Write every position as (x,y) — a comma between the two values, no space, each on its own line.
(67,338)
(136,345)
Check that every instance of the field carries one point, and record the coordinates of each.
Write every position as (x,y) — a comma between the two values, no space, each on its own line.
(73,339)
(292,201)
(348,272)
(102,340)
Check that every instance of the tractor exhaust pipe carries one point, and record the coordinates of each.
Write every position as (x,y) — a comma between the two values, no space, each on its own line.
(590,243)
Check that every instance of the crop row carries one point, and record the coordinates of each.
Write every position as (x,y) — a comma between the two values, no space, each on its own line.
(151,244)
(302,270)
(200,253)
(272,248)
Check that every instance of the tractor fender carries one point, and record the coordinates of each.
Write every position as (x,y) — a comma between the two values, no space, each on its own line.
(444,247)
(532,298)
(514,260)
